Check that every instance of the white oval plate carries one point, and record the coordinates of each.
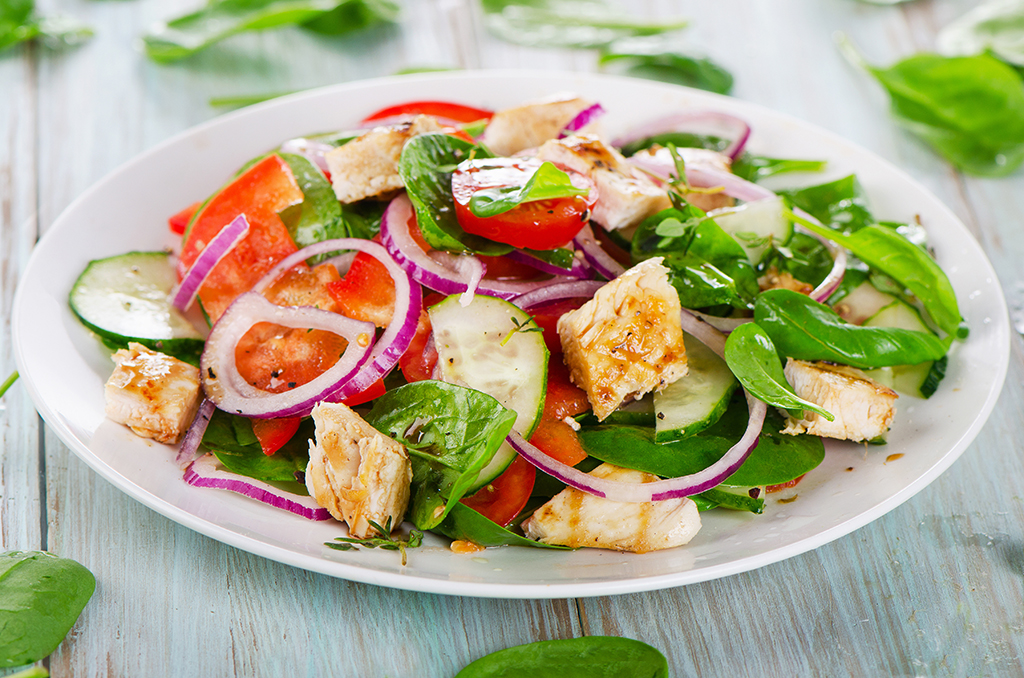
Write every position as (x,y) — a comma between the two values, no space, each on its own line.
(64,367)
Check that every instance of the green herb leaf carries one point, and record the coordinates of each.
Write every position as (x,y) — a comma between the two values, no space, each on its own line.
(231,439)
(318,216)
(586,657)
(757,167)
(995,27)
(41,597)
(547,183)
(8,382)
(841,204)
(731,500)
(804,257)
(19,23)
(384,540)
(451,433)
(466,524)
(751,356)
(657,60)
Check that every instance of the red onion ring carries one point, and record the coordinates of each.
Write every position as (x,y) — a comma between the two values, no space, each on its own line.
(580,269)
(704,332)
(194,435)
(543,296)
(582,119)
(603,263)
(218,248)
(717,121)
(232,393)
(206,472)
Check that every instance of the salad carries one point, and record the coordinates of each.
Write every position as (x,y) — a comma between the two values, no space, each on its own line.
(505,329)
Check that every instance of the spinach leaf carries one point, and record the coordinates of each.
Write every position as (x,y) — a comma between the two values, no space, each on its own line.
(678,139)
(804,257)
(19,23)
(362,219)
(586,657)
(994,27)
(231,439)
(41,597)
(658,61)
(451,433)
(546,183)
(191,33)
(465,523)
(751,356)
(777,458)
(802,328)
(730,500)
(841,204)
(426,167)
(889,252)
(318,216)
(757,167)
(566,23)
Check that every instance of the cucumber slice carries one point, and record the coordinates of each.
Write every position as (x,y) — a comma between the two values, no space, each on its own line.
(126,298)
(698,400)
(917,380)
(756,226)
(864,301)
(472,352)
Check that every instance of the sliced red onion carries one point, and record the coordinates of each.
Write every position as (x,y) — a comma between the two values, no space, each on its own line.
(582,119)
(660,490)
(549,294)
(222,243)
(831,282)
(704,332)
(603,263)
(314,151)
(232,393)
(441,271)
(707,122)
(579,269)
(207,472)
(194,435)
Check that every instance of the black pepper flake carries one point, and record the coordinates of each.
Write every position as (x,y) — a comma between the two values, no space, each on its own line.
(849,468)
(451,361)
(209,371)
(551,211)
(754,492)
(292,384)
(585,215)
(661,415)
(275,374)
(300,477)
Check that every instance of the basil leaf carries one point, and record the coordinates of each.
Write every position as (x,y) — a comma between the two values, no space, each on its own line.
(41,597)
(889,252)
(993,27)
(566,23)
(752,358)
(547,183)
(191,33)
(841,204)
(802,328)
(426,167)
(586,657)
(318,216)
(451,433)
(655,60)
(464,523)
(231,439)
(19,23)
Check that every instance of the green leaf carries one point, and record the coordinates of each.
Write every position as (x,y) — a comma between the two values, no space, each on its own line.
(318,216)
(547,183)
(567,23)
(751,356)
(841,204)
(464,523)
(657,59)
(231,439)
(994,27)
(586,657)
(451,433)
(41,597)
(426,167)
(802,328)
(733,501)
(19,23)
(804,257)
(757,167)
(189,34)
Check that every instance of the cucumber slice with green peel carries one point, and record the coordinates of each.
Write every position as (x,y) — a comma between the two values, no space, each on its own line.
(474,349)
(698,400)
(863,301)
(127,298)
(917,380)
(756,226)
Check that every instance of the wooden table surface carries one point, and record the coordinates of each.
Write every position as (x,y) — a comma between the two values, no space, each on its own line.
(932,589)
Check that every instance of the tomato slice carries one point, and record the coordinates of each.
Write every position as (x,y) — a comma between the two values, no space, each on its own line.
(367,292)
(371,392)
(547,319)
(420,359)
(274,433)
(444,110)
(539,225)
(503,498)
(783,486)
(563,399)
(179,222)
(261,192)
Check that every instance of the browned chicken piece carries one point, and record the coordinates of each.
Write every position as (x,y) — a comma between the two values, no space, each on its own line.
(574,518)
(528,126)
(155,395)
(774,280)
(367,167)
(625,195)
(862,407)
(355,472)
(627,340)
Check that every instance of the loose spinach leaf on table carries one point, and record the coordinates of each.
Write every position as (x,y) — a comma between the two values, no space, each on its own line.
(567,23)
(658,60)
(586,657)
(41,597)
(232,440)
(19,23)
(466,524)
(995,27)
(752,357)
(802,328)
(841,204)
(189,34)
(451,433)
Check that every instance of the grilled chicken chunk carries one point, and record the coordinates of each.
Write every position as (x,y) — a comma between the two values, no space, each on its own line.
(574,518)
(355,472)
(627,340)
(863,408)
(153,394)
(530,125)
(694,156)
(625,195)
(367,167)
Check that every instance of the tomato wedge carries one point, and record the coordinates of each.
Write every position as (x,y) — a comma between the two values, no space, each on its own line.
(367,292)
(444,110)
(274,433)
(563,399)
(503,498)
(539,224)
(179,222)
(420,359)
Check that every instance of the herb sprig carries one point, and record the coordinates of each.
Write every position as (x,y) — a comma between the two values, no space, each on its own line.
(384,540)
(521,326)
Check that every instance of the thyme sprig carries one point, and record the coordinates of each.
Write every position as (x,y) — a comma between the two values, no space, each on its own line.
(384,540)
(681,185)
(522,326)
